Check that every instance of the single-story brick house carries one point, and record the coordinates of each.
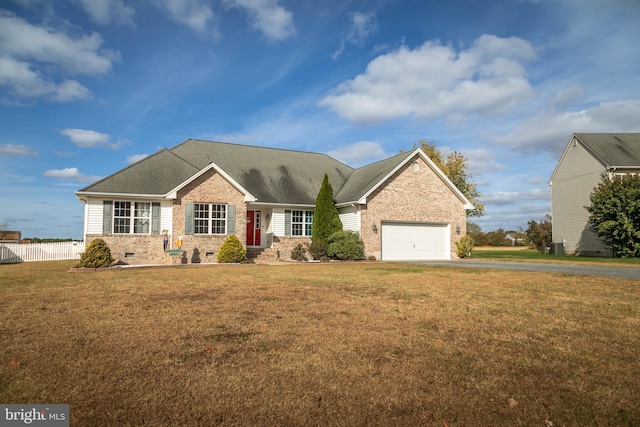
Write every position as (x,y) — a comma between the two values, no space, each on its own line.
(579,170)
(199,192)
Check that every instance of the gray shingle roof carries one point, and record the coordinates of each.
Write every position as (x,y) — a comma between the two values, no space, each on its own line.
(271,175)
(614,149)
(155,175)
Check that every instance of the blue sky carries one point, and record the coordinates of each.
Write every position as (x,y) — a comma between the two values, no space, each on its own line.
(88,87)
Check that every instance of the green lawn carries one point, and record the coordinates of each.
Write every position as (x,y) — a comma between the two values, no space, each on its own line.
(532,255)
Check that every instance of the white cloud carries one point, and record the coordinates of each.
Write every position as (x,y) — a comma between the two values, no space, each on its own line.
(16,150)
(550,131)
(72,174)
(106,12)
(359,153)
(89,138)
(506,198)
(436,81)
(482,160)
(136,157)
(267,16)
(362,26)
(195,14)
(30,56)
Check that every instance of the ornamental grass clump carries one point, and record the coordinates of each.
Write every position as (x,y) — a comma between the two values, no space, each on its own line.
(232,251)
(97,255)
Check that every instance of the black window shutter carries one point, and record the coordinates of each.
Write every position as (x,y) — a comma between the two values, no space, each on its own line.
(287,223)
(231,219)
(107,215)
(188,218)
(155,218)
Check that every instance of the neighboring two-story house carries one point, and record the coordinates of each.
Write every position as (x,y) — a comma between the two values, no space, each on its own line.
(199,192)
(586,157)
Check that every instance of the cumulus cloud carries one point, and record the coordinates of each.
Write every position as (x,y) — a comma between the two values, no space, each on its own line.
(106,12)
(71,174)
(435,81)
(30,57)
(195,14)
(551,130)
(362,26)
(359,153)
(90,139)
(16,150)
(267,16)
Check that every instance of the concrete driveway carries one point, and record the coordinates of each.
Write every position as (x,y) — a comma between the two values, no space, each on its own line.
(588,270)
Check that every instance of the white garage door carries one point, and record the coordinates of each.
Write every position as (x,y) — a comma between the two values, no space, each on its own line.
(415,241)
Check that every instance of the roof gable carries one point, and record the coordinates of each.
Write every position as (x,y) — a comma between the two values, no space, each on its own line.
(613,150)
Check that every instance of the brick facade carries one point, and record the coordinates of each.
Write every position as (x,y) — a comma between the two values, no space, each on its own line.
(411,195)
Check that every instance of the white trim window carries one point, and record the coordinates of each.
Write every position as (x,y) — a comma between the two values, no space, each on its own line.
(131,217)
(210,218)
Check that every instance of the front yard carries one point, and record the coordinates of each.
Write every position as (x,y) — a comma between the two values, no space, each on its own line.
(321,344)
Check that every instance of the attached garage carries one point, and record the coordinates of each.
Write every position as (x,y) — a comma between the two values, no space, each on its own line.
(415,241)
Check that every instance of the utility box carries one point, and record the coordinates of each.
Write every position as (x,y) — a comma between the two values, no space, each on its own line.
(557,248)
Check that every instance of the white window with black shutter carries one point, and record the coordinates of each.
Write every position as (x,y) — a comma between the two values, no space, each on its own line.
(209,218)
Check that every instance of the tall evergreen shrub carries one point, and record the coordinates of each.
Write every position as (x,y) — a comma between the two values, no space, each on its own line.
(326,220)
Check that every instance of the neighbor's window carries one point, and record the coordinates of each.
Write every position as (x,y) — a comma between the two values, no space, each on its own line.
(127,220)
(301,223)
(210,218)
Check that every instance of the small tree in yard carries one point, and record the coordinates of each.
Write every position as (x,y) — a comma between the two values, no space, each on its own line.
(615,214)
(97,255)
(326,220)
(539,234)
(231,251)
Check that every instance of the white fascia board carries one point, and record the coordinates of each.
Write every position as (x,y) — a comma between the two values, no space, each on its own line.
(282,205)
(441,175)
(248,197)
(81,194)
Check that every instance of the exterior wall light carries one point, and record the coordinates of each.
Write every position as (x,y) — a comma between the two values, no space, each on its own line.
(374,227)
(457,228)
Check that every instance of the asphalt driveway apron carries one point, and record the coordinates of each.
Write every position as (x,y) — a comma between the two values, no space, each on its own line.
(588,270)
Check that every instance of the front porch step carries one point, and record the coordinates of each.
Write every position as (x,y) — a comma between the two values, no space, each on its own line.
(262,254)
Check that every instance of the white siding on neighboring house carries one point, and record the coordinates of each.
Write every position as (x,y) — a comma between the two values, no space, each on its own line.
(350,217)
(575,179)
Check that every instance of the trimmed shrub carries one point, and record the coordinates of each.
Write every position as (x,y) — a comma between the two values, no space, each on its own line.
(299,253)
(345,245)
(464,247)
(318,249)
(231,251)
(97,255)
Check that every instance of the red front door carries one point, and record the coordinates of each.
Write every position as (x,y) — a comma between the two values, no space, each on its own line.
(253,228)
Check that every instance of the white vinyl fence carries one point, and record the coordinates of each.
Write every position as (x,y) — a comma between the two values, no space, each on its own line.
(14,252)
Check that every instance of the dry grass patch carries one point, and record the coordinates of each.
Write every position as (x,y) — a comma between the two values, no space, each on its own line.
(321,344)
